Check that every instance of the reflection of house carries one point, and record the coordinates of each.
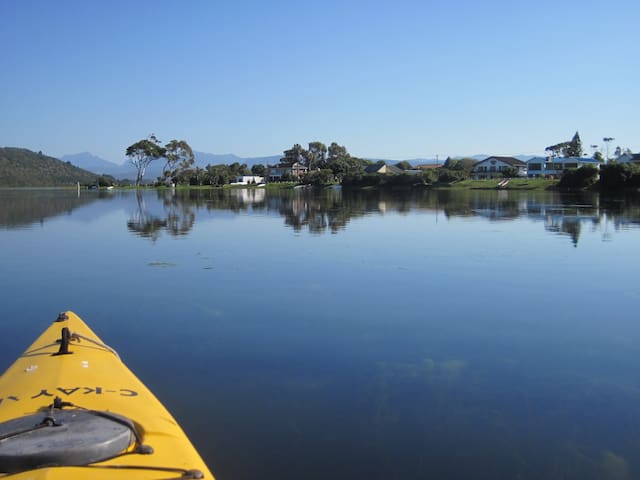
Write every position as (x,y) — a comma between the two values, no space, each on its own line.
(248,179)
(276,172)
(249,196)
(382,168)
(549,166)
(494,167)
(629,158)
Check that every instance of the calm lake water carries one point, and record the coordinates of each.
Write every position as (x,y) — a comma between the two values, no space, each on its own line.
(315,335)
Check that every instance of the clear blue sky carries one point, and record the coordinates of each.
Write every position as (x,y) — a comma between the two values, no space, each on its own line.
(387,79)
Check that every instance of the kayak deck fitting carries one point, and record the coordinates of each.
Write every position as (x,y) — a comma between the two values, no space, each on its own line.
(70,408)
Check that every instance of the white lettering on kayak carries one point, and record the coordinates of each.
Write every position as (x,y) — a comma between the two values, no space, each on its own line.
(68,392)
(122,392)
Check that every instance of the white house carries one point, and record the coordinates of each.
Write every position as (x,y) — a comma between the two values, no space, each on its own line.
(555,166)
(277,172)
(494,167)
(629,158)
(248,179)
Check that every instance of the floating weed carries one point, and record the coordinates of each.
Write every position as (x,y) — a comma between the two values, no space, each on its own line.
(161,264)
(428,370)
(615,466)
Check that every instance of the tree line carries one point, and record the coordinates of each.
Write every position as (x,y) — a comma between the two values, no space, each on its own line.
(334,164)
(324,163)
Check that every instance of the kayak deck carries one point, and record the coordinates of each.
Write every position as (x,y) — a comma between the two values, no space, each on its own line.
(70,366)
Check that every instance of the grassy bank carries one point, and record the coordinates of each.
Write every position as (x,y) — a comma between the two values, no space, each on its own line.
(514,184)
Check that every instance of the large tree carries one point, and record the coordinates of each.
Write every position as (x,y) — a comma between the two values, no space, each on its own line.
(557,149)
(142,153)
(295,154)
(574,147)
(180,158)
(316,155)
(337,151)
(258,169)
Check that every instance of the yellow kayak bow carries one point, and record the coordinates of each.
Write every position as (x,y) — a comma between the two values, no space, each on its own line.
(71,409)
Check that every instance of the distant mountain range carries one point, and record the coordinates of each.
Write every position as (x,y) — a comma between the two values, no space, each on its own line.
(95,164)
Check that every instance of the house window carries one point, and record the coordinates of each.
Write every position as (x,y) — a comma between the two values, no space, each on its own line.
(535,166)
(570,165)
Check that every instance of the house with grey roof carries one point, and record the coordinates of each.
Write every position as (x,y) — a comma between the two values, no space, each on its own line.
(495,167)
(277,172)
(555,166)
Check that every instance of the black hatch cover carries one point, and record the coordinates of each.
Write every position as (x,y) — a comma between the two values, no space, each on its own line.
(74,437)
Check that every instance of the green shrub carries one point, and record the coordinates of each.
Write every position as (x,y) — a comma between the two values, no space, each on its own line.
(579,178)
(619,175)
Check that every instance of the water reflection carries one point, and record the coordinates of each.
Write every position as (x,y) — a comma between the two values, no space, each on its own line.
(21,208)
(177,217)
(462,360)
(331,210)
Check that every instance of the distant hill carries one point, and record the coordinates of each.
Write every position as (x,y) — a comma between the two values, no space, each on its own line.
(204,159)
(20,167)
(90,162)
(100,166)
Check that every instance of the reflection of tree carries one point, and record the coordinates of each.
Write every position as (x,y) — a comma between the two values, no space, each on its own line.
(330,210)
(623,209)
(318,211)
(178,218)
(562,225)
(143,223)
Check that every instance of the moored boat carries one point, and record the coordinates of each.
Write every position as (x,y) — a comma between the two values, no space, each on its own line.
(70,408)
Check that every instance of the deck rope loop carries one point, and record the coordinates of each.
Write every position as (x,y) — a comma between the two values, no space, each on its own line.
(77,337)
